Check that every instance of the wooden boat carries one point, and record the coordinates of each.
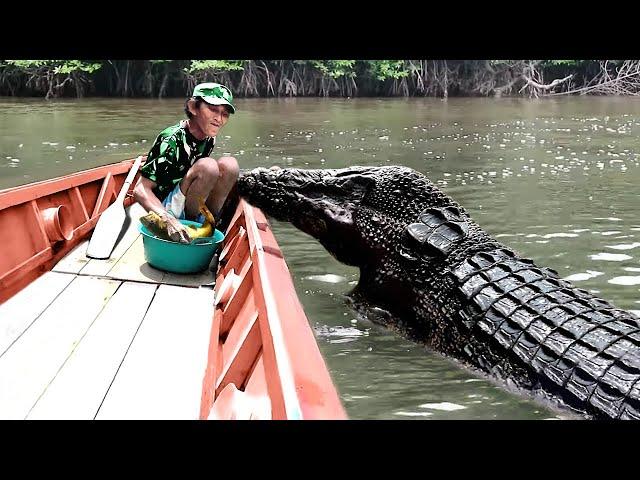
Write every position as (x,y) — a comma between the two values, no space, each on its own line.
(83,338)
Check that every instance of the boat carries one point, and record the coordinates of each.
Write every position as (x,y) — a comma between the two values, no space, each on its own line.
(84,338)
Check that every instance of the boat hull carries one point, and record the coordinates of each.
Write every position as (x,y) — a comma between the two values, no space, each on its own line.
(41,222)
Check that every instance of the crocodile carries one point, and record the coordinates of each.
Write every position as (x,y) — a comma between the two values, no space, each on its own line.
(454,288)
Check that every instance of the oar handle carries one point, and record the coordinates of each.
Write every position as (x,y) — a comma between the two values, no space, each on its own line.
(129,179)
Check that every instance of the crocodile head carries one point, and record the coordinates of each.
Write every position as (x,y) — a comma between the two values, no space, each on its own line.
(359,214)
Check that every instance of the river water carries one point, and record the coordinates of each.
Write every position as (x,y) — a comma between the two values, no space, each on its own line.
(555,179)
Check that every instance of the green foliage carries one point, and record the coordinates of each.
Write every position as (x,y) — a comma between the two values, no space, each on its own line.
(501,63)
(215,66)
(561,62)
(575,64)
(70,66)
(335,68)
(57,66)
(28,64)
(49,77)
(386,69)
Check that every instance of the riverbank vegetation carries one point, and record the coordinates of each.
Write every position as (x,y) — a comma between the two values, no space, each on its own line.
(300,78)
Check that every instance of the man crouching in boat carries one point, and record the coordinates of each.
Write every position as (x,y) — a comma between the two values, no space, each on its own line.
(179,168)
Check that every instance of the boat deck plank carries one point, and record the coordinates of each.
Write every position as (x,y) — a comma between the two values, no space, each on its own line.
(21,310)
(161,376)
(102,267)
(132,266)
(34,359)
(80,387)
(203,279)
(74,261)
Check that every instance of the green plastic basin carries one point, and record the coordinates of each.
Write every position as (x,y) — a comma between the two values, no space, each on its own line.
(180,257)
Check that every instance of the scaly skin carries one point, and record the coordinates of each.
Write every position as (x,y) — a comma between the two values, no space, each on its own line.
(458,290)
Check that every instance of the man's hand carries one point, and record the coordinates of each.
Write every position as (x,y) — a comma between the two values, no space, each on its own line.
(176,230)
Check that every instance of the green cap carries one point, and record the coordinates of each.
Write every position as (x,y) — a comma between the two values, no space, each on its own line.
(215,94)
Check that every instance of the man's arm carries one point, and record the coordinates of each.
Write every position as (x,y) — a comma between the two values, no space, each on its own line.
(143,194)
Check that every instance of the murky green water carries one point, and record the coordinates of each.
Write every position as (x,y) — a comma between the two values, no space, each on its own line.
(555,179)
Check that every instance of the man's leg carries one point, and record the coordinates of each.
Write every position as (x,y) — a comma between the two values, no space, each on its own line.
(199,181)
(228,176)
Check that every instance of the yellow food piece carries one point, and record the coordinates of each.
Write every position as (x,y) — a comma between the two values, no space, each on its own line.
(205,231)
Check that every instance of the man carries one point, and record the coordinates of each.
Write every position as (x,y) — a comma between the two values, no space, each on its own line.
(180,169)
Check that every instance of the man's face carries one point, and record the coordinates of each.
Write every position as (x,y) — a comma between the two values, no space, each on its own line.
(210,118)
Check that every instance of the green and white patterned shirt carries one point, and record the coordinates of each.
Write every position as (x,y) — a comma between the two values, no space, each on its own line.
(173,152)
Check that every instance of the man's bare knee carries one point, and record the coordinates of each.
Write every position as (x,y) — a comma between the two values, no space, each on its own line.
(228,167)
(205,168)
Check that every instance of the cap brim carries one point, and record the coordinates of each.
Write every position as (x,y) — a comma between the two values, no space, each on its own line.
(219,101)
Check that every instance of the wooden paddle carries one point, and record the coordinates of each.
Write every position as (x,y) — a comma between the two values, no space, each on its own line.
(110,224)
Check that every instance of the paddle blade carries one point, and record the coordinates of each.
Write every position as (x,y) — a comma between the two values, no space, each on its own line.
(106,232)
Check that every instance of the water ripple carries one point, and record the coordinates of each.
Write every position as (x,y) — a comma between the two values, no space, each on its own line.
(413,414)
(327,278)
(348,333)
(445,406)
(560,235)
(624,280)
(577,277)
(610,257)
(624,246)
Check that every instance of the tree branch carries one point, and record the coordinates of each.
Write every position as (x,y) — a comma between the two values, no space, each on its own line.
(540,86)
